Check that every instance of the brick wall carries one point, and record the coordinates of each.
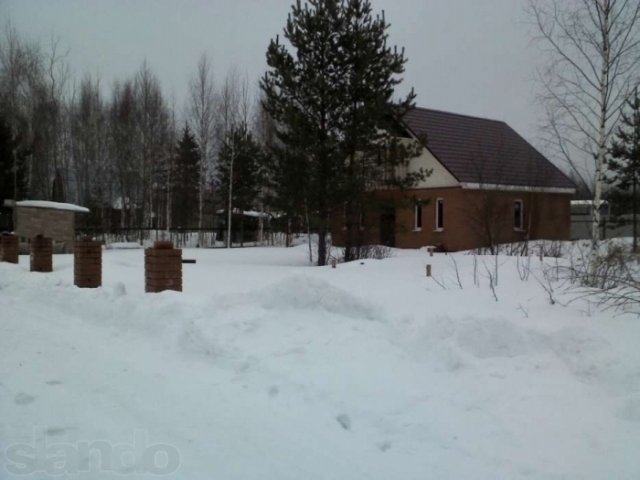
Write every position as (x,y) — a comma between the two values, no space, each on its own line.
(469,217)
(56,224)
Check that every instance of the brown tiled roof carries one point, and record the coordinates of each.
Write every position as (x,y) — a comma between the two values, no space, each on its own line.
(478,150)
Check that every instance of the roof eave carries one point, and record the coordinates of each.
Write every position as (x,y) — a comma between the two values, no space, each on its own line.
(517,188)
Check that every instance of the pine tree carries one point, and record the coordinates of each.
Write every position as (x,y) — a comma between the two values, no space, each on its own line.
(371,143)
(9,178)
(186,180)
(300,95)
(624,163)
(12,173)
(240,169)
(57,188)
(286,185)
(331,100)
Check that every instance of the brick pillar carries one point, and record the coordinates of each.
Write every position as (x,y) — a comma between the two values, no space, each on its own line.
(9,248)
(163,268)
(41,254)
(87,263)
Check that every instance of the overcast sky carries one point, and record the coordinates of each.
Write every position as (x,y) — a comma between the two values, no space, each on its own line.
(465,56)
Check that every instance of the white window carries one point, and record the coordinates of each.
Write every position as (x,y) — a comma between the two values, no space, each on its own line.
(440,214)
(518,215)
(417,217)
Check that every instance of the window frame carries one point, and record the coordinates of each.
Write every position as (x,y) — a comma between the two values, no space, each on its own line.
(439,216)
(520,218)
(417,209)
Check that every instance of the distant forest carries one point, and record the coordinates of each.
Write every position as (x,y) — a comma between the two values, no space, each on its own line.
(133,157)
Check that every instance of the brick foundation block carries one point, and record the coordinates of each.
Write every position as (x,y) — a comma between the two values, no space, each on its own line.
(41,259)
(87,263)
(162,268)
(9,248)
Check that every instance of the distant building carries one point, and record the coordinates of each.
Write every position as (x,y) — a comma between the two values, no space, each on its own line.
(51,219)
(582,219)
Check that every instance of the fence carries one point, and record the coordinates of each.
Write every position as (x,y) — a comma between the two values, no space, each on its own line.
(187,238)
(581,226)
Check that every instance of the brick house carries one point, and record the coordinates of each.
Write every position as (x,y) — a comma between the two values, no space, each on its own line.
(487,186)
(51,219)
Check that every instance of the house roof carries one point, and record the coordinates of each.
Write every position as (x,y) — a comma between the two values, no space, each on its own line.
(482,151)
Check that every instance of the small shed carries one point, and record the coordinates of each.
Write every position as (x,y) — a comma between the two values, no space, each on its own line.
(51,219)
(582,219)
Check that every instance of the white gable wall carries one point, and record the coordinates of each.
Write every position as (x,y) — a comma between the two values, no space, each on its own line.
(440,176)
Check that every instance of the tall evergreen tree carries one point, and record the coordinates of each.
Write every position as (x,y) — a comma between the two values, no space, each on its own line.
(240,170)
(286,186)
(300,94)
(332,103)
(624,163)
(186,181)
(12,174)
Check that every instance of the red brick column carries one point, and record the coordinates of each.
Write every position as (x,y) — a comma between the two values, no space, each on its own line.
(9,248)
(41,254)
(163,268)
(87,263)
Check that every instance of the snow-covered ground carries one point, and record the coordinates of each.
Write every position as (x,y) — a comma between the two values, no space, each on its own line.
(267,368)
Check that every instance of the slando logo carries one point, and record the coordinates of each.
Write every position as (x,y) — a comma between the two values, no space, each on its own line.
(94,456)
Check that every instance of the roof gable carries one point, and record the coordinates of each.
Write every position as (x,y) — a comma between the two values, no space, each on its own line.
(485,152)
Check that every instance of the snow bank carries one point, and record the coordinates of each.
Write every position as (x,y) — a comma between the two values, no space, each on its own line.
(267,368)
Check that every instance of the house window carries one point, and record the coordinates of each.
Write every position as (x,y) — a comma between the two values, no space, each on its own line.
(518,215)
(417,217)
(361,218)
(440,214)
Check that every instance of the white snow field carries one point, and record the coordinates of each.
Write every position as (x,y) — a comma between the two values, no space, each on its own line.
(267,368)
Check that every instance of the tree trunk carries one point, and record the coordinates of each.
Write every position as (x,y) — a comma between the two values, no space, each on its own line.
(602,140)
(14,213)
(200,215)
(230,199)
(349,253)
(322,241)
(635,215)
(306,219)
(261,226)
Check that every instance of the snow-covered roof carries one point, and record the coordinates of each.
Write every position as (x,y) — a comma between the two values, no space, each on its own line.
(253,213)
(70,207)
(587,203)
(248,213)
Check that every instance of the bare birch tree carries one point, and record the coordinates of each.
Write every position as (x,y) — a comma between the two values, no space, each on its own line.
(92,171)
(593,49)
(55,125)
(154,147)
(123,136)
(202,115)
(228,117)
